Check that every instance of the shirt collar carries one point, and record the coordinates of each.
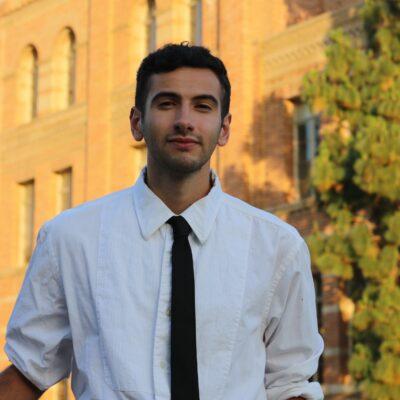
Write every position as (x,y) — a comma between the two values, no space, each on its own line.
(152,213)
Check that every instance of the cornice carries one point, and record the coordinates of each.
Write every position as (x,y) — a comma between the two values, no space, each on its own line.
(9,6)
(302,46)
(43,127)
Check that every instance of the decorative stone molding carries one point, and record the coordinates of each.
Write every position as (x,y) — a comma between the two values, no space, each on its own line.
(301,47)
(43,128)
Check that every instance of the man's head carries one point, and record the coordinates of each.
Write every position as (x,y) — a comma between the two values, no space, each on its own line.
(174,56)
(182,108)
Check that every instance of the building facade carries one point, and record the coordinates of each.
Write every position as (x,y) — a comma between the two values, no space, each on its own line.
(67,81)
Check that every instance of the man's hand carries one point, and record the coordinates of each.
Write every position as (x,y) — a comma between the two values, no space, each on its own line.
(14,386)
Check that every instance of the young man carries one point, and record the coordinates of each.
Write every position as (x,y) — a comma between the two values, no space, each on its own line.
(171,288)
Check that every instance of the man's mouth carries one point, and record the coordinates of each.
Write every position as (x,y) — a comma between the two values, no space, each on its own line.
(181,139)
(183,143)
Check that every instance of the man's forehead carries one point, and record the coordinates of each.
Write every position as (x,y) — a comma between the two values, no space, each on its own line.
(186,81)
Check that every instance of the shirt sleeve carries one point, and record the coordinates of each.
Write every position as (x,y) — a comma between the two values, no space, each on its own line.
(293,344)
(38,338)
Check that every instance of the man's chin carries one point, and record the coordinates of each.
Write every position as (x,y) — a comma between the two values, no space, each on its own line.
(184,167)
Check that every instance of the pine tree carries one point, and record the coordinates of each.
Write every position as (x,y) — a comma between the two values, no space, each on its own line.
(357,178)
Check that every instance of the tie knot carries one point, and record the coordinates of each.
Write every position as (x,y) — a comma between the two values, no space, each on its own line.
(179,226)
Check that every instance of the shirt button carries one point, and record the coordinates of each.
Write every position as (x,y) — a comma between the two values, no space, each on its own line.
(168,312)
(162,365)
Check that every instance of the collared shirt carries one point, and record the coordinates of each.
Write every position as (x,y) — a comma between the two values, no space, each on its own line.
(96,301)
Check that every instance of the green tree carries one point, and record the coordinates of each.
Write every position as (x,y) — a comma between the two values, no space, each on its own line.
(357,178)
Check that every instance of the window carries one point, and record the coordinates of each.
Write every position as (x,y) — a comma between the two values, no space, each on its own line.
(64,189)
(151,26)
(27,85)
(63,70)
(305,147)
(27,214)
(71,67)
(196,21)
(35,88)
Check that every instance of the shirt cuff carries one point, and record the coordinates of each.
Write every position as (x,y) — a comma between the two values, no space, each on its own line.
(22,368)
(308,390)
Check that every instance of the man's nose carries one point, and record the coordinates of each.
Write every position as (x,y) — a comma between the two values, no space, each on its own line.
(183,123)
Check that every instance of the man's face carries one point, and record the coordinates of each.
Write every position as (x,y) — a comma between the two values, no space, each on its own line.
(182,120)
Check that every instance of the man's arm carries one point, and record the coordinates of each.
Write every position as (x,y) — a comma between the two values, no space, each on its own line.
(14,386)
(293,344)
(39,338)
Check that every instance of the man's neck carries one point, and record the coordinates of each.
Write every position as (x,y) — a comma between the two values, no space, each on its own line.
(178,192)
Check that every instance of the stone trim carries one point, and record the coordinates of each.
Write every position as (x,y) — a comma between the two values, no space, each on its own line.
(301,46)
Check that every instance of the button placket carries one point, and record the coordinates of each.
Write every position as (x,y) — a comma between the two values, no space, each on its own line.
(161,368)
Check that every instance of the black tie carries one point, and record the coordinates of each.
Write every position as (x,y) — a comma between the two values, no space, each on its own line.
(184,380)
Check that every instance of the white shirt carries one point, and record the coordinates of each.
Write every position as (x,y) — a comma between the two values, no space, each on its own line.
(96,301)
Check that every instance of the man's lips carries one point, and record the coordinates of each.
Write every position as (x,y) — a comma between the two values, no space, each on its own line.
(183,143)
(183,140)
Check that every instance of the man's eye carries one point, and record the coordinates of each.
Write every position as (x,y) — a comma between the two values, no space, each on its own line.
(204,107)
(166,104)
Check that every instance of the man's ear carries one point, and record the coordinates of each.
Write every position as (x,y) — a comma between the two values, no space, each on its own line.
(136,124)
(225,130)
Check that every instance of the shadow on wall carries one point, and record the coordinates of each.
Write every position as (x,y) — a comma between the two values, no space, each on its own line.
(263,173)
(269,151)
(300,10)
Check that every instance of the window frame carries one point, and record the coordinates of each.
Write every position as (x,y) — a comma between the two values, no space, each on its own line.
(303,115)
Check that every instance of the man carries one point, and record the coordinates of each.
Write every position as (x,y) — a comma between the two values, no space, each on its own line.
(172,288)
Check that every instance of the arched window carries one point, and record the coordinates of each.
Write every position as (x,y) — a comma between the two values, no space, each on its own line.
(151,26)
(64,70)
(196,22)
(71,67)
(27,85)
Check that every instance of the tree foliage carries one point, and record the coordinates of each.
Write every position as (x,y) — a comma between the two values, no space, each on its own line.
(357,178)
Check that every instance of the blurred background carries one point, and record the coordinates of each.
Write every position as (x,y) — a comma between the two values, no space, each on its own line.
(304,137)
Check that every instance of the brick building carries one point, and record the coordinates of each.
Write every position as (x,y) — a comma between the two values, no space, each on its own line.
(67,76)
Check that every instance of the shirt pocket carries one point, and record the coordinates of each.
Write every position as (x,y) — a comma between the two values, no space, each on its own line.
(125,320)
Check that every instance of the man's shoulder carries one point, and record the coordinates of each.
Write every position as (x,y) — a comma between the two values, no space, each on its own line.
(260,216)
(88,214)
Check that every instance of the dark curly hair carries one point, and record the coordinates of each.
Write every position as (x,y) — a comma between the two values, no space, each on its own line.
(174,56)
